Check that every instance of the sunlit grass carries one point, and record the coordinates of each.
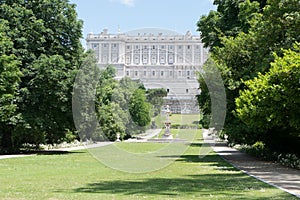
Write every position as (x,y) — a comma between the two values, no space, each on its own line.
(77,175)
(181,119)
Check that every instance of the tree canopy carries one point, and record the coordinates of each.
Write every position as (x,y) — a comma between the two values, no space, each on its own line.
(43,43)
(245,37)
(271,101)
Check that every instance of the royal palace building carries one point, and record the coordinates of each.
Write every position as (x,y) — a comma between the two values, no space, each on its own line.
(159,58)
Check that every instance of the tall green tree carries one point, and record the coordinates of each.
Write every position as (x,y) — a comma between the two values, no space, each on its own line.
(274,97)
(111,117)
(9,85)
(241,57)
(84,98)
(230,18)
(139,108)
(203,98)
(48,101)
(46,40)
(155,98)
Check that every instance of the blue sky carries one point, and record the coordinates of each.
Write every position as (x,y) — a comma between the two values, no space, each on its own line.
(177,15)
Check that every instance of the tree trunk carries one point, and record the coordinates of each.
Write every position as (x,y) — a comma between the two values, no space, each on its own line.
(6,140)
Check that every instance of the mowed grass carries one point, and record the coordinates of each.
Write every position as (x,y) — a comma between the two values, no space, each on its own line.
(181,119)
(78,175)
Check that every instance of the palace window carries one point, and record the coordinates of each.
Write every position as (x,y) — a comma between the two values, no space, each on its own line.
(136,60)
(171,60)
(127,60)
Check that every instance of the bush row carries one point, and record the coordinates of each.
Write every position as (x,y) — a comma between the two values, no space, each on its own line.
(260,150)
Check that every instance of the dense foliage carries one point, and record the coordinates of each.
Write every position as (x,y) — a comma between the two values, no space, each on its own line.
(42,41)
(40,56)
(121,106)
(243,37)
(10,75)
(155,98)
(104,107)
(270,103)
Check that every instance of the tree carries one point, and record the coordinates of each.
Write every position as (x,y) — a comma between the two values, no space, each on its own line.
(84,98)
(46,40)
(274,99)
(9,84)
(231,18)
(155,98)
(112,114)
(241,57)
(203,98)
(112,120)
(212,98)
(139,109)
(48,105)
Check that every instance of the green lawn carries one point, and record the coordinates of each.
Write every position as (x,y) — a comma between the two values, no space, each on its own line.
(182,119)
(78,175)
(173,131)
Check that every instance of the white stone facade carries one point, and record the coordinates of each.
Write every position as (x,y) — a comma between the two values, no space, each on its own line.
(159,58)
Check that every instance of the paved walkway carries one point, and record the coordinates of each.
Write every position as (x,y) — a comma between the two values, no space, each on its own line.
(150,133)
(98,144)
(284,178)
(15,156)
(143,137)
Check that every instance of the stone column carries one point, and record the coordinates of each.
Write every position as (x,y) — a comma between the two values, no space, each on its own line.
(132,53)
(183,53)
(167,52)
(157,57)
(141,55)
(193,52)
(149,54)
(109,53)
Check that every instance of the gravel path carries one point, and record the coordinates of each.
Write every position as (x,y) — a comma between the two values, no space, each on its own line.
(284,178)
(149,134)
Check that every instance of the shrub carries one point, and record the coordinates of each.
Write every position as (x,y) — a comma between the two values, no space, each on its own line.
(260,150)
(289,160)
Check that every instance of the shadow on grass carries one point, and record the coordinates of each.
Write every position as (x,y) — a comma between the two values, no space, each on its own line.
(233,186)
(51,152)
(208,160)
(58,152)
(223,184)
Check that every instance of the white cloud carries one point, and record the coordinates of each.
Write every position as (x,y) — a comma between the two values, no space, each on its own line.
(129,3)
